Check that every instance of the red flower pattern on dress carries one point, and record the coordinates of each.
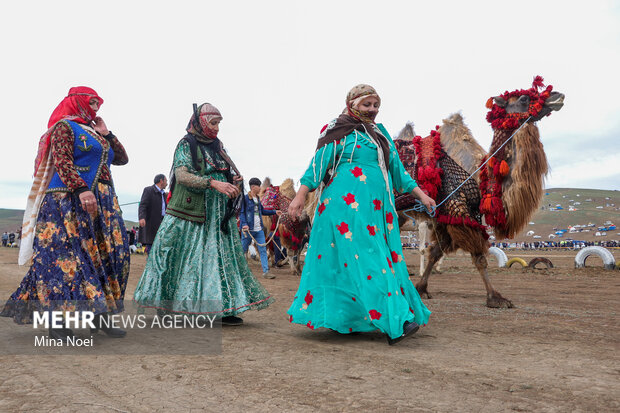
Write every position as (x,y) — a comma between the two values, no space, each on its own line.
(389,262)
(389,294)
(371,230)
(321,208)
(377,204)
(402,290)
(357,171)
(290,319)
(374,315)
(353,298)
(349,199)
(411,310)
(389,218)
(319,257)
(345,265)
(369,277)
(343,228)
(308,298)
(309,325)
(394,256)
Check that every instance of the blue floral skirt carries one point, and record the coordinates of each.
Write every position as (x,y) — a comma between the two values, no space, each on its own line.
(79,262)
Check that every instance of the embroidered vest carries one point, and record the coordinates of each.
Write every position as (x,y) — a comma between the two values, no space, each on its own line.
(186,202)
(89,156)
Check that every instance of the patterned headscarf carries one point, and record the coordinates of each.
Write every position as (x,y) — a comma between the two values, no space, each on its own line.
(356,96)
(75,107)
(206,113)
(353,119)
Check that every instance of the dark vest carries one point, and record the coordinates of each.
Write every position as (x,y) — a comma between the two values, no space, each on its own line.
(189,203)
(89,156)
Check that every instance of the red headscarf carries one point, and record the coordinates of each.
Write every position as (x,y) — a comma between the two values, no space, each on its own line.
(76,107)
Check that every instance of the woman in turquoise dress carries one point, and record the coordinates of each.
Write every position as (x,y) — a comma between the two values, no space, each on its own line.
(196,264)
(355,278)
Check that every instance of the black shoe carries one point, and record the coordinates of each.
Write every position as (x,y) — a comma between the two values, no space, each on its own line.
(408,328)
(231,320)
(60,333)
(107,328)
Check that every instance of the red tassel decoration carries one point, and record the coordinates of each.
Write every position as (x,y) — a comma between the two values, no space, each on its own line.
(504,168)
(538,82)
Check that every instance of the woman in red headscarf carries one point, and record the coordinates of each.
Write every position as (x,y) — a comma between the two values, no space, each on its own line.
(73,235)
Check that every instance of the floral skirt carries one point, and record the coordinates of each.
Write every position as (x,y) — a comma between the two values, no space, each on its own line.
(79,262)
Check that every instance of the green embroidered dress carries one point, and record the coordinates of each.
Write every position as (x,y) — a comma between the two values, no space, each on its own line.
(355,278)
(195,267)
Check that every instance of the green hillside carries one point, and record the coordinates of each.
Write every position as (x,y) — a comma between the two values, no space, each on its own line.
(545,220)
(10,219)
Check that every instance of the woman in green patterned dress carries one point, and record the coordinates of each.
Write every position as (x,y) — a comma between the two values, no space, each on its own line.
(196,264)
(355,278)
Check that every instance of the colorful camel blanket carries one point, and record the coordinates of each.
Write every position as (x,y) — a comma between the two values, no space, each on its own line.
(438,175)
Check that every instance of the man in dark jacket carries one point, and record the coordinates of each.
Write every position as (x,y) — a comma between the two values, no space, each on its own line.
(152,210)
(251,217)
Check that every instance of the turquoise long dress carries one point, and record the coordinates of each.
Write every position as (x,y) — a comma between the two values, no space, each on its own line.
(355,278)
(195,267)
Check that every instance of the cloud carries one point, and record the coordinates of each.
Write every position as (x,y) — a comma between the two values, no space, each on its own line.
(598,173)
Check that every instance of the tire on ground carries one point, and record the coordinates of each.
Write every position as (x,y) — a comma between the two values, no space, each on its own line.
(499,255)
(607,257)
(517,260)
(538,260)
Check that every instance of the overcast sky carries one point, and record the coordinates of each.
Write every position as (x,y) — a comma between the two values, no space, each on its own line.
(279,70)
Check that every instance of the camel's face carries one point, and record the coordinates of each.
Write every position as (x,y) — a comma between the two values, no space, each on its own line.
(554,102)
(511,109)
(521,104)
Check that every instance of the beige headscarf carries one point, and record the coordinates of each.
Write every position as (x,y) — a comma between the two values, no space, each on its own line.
(356,95)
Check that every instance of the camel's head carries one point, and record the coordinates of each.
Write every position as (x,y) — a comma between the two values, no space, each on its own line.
(264,186)
(511,109)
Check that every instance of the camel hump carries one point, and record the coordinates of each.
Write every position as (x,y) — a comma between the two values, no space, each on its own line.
(407,133)
(459,144)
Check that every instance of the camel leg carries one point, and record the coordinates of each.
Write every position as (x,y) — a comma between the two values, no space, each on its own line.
(291,261)
(438,265)
(298,263)
(494,299)
(434,255)
(422,235)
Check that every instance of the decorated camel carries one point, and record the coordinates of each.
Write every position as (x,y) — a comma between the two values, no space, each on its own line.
(506,190)
(293,234)
(422,227)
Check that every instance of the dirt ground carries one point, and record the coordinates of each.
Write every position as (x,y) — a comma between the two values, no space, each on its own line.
(556,351)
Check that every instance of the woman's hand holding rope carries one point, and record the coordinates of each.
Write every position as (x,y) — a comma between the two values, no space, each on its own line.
(425,200)
(297,204)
